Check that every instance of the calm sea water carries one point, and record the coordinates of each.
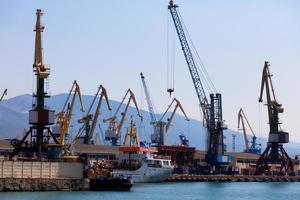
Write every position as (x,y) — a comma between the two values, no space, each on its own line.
(176,191)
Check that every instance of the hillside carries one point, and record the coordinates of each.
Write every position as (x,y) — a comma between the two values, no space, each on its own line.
(14,119)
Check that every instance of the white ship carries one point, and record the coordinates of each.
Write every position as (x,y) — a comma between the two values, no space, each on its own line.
(142,165)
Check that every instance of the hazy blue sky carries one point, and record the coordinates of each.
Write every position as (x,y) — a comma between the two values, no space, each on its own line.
(111,42)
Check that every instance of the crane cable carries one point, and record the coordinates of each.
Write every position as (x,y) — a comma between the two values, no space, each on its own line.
(168,49)
(171,33)
(207,81)
(199,63)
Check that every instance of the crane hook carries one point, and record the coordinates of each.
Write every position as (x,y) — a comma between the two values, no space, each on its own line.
(170,90)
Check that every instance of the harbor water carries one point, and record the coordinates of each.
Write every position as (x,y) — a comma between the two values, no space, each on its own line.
(176,191)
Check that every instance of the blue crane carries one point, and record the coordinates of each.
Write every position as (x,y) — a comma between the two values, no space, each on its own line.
(212,111)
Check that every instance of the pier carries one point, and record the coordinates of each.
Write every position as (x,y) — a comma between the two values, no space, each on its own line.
(231,178)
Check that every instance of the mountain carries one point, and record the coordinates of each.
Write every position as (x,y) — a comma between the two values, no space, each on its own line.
(14,119)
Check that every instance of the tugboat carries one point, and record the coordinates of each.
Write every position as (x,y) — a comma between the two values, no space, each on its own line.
(102,179)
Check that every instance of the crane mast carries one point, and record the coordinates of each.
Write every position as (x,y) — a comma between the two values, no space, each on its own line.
(132,135)
(40,117)
(274,153)
(212,111)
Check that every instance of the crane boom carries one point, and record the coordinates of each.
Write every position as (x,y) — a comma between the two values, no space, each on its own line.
(132,97)
(241,117)
(103,94)
(190,62)
(271,104)
(4,93)
(212,111)
(148,99)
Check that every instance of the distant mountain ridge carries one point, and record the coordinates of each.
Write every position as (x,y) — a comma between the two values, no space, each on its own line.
(14,119)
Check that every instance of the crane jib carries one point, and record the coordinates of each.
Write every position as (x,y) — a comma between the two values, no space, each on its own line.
(148,99)
(191,64)
(212,110)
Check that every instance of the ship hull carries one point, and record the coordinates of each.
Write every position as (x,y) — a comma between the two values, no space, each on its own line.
(145,174)
(111,184)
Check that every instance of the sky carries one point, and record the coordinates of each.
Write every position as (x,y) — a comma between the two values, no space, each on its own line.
(111,42)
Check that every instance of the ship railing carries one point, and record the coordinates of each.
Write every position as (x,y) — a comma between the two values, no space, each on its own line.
(162,157)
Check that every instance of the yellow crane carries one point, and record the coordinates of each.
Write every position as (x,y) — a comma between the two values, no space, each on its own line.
(161,127)
(41,70)
(178,105)
(132,135)
(64,116)
(4,93)
(114,128)
(90,121)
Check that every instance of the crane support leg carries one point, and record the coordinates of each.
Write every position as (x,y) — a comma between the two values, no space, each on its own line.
(275,154)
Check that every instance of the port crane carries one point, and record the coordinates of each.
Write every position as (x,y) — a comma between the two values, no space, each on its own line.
(132,135)
(64,116)
(40,117)
(113,132)
(3,94)
(274,153)
(155,136)
(89,120)
(212,111)
(161,127)
(254,148)
(148,99)
(184,141)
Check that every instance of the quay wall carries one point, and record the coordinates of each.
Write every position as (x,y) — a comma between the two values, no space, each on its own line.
(40,170)
(33,184)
